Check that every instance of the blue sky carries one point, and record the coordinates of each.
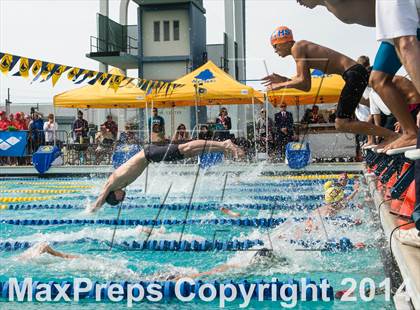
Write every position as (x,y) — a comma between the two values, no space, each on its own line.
(59,31)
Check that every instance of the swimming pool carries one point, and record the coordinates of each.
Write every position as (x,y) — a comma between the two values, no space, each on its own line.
(270,207)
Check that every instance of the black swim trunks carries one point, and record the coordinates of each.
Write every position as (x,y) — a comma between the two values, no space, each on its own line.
(356,78)
(158,153)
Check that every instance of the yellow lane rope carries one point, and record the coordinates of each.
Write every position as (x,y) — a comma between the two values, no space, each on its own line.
(39,191)
(25,199)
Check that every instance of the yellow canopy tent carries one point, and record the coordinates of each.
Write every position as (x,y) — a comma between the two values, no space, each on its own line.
(101,97)
(217,86)
(325,89)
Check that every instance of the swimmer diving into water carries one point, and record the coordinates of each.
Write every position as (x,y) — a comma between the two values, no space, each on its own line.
(113,192)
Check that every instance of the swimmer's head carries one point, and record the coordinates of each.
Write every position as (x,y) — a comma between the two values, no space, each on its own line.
(282,41)
(262,255)
(334,194)
(343,179)
(115,197)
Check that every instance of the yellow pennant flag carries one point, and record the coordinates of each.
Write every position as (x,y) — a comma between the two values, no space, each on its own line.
(5,63)
(115,82)
(72,73)
(36,67)
(48,68)
(57,74)
(24,66)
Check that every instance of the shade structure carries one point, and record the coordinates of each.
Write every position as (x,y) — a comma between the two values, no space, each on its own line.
(217,87)
(102,97)
(324,89)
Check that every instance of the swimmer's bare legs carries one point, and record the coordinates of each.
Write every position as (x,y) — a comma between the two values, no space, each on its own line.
(41,248)
(196,147)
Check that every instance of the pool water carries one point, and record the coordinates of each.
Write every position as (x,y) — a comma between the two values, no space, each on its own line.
(97,263)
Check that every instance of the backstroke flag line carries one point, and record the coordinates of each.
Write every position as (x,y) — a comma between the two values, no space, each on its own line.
(43,71)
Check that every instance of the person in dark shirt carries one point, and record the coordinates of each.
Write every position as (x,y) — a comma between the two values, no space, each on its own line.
(80,128)
(156,126)
(111,126)
(224,120)
(283,123)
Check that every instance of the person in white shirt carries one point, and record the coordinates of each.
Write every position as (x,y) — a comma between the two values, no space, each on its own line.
(49,129)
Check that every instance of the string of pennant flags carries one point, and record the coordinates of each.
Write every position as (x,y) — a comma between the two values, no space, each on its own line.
(43,71)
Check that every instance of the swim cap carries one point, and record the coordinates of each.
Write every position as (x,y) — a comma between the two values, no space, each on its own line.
(112,199)
(281,35)
(334,194)
(327,185)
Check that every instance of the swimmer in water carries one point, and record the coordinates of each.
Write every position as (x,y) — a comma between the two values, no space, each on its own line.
(335,199)
(113,192)
(41,248)
(261,257)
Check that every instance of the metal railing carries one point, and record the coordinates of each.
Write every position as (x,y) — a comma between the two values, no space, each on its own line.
(98,45)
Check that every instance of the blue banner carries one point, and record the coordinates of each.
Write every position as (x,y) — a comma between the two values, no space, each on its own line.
(13,143)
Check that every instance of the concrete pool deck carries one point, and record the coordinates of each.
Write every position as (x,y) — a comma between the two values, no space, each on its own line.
(407,257)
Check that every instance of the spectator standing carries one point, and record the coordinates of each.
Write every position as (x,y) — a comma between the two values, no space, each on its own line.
(80,128)
(226,122)
(50,127)
(284,128)
(20,122)
(181,135)
(4,122)
(111,126)
(12,121)
(36,131)
(156,126)
(262,136)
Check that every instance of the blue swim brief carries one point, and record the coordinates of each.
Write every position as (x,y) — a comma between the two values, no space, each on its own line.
(387,60)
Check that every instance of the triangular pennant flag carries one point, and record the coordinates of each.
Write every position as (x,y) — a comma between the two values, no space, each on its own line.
(161,84)
(106,79)
(127,80)
(7,62)
(87,75)
(36,67)
(24,67)
(143,84)
(72,73)
(42,69)
(80,73)
(96,78)
(57,73)
(167,88)
(115,82)
(149,85)
(49,71)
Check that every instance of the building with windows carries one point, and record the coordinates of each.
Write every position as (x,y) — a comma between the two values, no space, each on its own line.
(168,42)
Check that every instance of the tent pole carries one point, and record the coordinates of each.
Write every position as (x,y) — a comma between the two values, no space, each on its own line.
(266,126)
(148,140)
(196,104)
(172,120)
(255,130)
(54,130)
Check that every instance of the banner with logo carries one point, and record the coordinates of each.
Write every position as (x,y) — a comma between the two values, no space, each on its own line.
(13,143)
(43,71)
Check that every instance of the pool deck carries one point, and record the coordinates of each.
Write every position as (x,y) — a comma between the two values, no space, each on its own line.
(407,257)
(270,169)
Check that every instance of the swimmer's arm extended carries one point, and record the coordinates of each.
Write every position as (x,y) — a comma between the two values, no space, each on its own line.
(355,191)
(219,269)
(302,80)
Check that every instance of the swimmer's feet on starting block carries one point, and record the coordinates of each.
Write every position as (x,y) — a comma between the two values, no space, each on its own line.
(400,150)
(369,147)
(413,154)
